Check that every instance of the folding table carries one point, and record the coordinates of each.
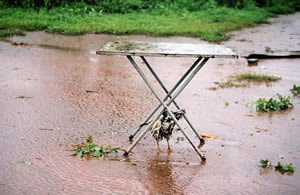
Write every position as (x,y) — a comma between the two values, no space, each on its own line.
(159,49)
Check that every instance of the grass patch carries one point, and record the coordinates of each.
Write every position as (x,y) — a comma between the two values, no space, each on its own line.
(248,76)
(90,149)
(282,103)
(231,83)
(11,32)
(23,97)
(20,97)
(295,90)
(244,79)
(208,24)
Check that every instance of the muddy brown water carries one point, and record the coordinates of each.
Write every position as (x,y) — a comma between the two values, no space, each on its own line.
(54,73)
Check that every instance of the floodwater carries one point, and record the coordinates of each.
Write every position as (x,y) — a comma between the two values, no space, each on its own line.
(69,93)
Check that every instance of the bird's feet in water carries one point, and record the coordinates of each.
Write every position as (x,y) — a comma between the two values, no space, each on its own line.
(158,150)
(170,150)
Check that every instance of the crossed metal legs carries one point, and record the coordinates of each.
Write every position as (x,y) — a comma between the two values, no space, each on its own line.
(176,105)
(166,105)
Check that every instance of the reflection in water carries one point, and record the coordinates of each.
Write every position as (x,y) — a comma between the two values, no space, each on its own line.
(162,178)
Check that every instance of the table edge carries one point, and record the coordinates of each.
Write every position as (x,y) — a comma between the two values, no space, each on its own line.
(107,53)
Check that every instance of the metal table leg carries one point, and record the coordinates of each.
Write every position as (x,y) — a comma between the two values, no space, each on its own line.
(176,105)
(146,121)
(165,105)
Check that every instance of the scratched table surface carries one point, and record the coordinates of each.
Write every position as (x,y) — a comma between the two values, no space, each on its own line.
(159,49)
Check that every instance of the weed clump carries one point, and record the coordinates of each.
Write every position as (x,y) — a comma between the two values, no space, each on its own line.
(285,168)
(288,168)
(20,97)
(94,150)
(248,76)
(282,103)
(11,32)
(244,79)
(265,163)
(230,84)
(295,90)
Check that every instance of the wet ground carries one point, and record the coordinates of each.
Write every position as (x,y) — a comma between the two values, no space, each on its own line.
(70,93)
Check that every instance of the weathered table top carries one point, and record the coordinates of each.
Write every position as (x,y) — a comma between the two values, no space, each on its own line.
(156,49)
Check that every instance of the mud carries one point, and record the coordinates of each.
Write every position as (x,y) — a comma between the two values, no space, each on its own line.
(74,93)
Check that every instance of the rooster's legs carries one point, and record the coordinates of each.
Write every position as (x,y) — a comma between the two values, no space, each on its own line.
(169,148)
(158,148)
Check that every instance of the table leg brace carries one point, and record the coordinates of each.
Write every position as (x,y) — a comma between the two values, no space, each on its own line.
(165,105)
(176,105)
(166,97)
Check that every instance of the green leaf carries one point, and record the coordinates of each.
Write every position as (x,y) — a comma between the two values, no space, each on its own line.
(265,163)
(295,90)
(96,153)
(278,166)
(79,154)
(285,168)
(290,168)
(273,104)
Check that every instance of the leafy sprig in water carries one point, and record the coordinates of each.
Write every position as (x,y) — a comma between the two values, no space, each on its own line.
(289,168)
(94,150)
(273,104)
(295,90)
(285,168)
(265,163)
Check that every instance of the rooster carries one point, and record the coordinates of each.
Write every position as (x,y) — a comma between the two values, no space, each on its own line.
(164,126)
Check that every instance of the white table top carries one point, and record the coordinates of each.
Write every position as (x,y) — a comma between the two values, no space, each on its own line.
(160,49)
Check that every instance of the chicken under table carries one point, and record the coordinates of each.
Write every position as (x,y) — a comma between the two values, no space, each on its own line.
(162,121)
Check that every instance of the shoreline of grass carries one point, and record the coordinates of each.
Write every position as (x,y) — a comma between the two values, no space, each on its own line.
(209,25)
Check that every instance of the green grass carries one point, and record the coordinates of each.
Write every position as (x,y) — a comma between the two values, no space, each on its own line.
(210,24)
(248,76)
(11,32)
(244,79)
(230,84)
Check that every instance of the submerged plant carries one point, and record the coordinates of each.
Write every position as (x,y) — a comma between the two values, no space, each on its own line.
(295,90)
(94,150)
(265,163)
(20,97)
(250,76)
(285,168)
(230,84)
(273,104)
(279,167)
(244,80)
